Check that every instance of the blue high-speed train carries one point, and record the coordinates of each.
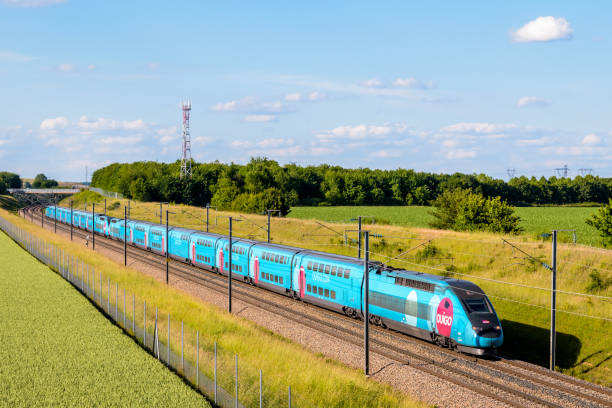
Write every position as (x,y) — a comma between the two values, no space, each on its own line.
(450,312)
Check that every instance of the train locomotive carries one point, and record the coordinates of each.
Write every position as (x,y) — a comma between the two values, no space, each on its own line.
(451,312)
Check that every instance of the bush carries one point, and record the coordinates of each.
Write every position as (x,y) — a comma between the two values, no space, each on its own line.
(463,210)
(602,221)
(2,187)
(114,206)
(597,283)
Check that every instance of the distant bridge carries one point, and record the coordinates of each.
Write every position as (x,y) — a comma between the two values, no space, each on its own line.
(45,196)
(44,190)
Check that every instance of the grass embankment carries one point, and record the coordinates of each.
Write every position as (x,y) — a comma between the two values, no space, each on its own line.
(314,379)
(9,203)
(534,220)
(57,350)
(584,347)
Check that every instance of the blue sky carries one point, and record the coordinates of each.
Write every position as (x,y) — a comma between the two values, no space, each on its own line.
(438,87)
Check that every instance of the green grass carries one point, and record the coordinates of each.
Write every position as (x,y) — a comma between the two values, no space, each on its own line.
(58,350)
(534,220)
(8,203)
(315,379)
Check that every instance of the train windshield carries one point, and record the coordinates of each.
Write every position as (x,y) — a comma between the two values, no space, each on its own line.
(478,305)
(473,298)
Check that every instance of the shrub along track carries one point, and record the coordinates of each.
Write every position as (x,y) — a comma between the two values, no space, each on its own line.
(511,382)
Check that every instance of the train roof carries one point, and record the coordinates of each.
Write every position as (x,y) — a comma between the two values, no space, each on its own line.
(436,279)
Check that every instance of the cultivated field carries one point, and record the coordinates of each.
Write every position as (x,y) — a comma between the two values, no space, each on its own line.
(516,284)
(258,348)
(58,350)
(534,220)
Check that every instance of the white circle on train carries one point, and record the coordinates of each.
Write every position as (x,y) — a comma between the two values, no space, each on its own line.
(411,308)
(433,309)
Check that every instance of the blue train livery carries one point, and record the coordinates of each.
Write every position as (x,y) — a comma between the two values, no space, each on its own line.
(203,249)
(450,312)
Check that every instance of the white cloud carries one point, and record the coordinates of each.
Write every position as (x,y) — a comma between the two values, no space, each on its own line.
(121,140)
(109,124)
(479,127)
(532,101)
(299,97)
(413,83)
(450,143)
(3,142)
(362,131)
(225,107)
(66,67)
(91,67)
(461,154)
(316,96)
(543,29)
(591,139)
(384,154)
(253,106)
(14,57)
(540,141)
(373,83)
(54,123)
(293,97)
(30,3)
(259,118)
(153,66)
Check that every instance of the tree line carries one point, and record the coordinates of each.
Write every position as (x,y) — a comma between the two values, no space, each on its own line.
(264,184)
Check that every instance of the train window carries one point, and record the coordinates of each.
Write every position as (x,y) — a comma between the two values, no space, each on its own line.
(276,258)
(315,266)
(275,279)
(347,273)
(308,288)
(310,265)
(333,270)
(320,291)
(326,292)
(314,290)
(327,268)
(280,280)
(333,294)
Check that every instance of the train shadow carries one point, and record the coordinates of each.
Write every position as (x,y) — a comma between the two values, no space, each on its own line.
(532,344)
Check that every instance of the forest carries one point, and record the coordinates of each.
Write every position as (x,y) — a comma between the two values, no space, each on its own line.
(264,184)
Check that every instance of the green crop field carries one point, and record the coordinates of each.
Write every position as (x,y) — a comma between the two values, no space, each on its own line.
(58,350)
(535,220)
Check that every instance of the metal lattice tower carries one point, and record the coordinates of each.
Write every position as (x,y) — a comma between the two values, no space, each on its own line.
(562,171)
(186,159)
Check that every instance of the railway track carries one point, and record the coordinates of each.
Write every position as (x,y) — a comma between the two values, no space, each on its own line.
(510,382)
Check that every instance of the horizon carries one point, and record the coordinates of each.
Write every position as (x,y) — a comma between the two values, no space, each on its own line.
(503,88)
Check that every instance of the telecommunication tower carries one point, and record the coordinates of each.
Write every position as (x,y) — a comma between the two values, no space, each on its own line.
(186,159)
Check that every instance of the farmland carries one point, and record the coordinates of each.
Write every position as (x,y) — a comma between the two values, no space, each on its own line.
(57,350)
(534,220)
(258,348)
(515,283)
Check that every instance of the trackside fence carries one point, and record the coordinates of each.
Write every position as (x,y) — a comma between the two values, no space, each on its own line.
(214,371)
(105,193)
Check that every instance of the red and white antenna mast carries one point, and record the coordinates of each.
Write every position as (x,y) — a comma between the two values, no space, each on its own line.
(186,159)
